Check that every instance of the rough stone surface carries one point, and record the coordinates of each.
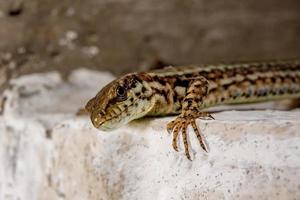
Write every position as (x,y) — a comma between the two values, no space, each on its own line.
(129,35)
(46,152)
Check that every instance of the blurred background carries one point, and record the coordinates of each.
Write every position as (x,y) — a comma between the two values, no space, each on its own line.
(133,35)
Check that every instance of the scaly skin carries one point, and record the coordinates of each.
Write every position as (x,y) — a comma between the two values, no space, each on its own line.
(187,90)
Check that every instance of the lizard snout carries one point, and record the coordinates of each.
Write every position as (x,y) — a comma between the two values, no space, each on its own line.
(97,119)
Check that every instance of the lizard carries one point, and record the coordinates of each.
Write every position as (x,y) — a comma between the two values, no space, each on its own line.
(187,90)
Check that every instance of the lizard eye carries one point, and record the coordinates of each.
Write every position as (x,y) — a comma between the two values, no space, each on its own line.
(121,92)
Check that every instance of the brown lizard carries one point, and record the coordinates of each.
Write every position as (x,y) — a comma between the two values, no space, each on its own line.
(187,90)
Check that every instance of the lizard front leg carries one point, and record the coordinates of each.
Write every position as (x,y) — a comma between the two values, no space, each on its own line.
(196,91)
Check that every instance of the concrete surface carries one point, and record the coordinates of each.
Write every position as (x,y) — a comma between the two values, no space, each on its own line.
(46,152)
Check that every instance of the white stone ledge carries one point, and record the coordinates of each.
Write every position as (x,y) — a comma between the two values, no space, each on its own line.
(46,152)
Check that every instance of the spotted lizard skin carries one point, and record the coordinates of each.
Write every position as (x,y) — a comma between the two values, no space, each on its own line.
(187,90)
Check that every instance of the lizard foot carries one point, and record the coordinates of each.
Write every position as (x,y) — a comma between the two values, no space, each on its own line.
(181,123)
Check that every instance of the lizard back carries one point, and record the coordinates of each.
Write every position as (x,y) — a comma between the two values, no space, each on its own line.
(227,83)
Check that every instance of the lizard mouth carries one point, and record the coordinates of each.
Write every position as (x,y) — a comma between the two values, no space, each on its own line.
(105,122)
(99,121)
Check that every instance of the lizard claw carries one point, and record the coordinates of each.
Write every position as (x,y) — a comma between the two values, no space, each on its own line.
(180,124)
(170,127)
(210,117)
(205,115)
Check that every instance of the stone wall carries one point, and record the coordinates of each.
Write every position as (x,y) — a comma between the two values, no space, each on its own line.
(49,153)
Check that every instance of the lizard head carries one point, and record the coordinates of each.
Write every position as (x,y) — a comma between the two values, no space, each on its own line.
(119,102)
